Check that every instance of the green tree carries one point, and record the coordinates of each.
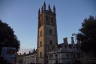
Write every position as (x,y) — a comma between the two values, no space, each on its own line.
(7,37)
(87,35)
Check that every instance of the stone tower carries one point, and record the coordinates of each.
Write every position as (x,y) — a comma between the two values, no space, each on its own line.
(47,33)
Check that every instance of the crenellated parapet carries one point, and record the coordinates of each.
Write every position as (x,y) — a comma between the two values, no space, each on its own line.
(44,9)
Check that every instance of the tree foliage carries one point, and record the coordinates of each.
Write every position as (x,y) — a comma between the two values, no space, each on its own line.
(7,36)
(87,35)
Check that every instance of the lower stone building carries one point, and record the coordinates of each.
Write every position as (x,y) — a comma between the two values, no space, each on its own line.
(65,54)
(29,58)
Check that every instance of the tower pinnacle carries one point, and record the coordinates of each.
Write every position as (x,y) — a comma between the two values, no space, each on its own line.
(49,8)
(39,11)
(54,9)
(44,5)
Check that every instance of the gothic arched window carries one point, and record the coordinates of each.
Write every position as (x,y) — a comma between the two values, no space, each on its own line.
(47,20)
(51,42)
(52,21)
(40,44)
(40,33)
(50,32)
(40,54)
